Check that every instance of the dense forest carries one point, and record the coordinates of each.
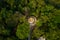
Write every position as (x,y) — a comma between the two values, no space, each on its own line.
(14,15)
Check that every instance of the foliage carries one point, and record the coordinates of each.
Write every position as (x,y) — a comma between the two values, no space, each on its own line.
(14,15)
(22,29)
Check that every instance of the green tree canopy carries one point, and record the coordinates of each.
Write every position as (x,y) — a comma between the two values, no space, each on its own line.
(14,15)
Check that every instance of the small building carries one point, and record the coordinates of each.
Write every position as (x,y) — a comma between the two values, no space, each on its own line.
(41,38)
(32,21)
